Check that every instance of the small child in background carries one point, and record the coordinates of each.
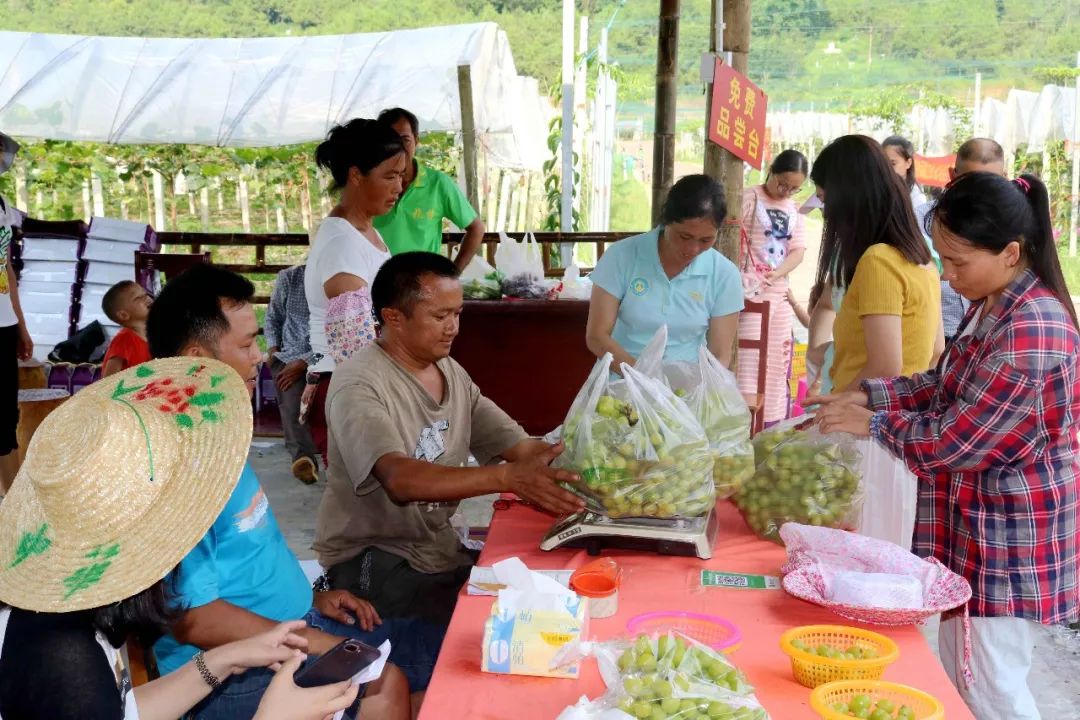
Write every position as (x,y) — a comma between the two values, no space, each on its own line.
(802,314)
(127,304)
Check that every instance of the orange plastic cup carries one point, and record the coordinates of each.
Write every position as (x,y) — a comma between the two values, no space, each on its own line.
(598,581)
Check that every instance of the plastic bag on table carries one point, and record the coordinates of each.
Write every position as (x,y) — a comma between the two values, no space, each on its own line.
(575,287)
(481,281)
(522,267)
(712,394)
(636,447)
(807,478)
(665,676)
(891,495)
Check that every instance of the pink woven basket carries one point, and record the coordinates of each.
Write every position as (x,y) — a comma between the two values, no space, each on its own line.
(948,592)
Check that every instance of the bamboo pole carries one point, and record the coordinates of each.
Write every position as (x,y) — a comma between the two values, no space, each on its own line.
(731,33)
(667,62)
(468,134)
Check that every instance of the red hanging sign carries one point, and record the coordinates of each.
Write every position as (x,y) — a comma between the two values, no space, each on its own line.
(933,171)
(737,115)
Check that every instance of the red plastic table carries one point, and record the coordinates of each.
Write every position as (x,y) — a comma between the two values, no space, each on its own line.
(653,582)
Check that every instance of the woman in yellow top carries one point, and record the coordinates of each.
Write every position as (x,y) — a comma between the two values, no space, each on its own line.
(881,281)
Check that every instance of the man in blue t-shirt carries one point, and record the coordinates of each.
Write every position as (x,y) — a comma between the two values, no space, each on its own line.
(242,579)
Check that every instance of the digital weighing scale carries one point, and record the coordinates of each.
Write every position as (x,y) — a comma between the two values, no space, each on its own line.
(594,532)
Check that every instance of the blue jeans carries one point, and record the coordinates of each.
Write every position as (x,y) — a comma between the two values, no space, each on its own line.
(414,649)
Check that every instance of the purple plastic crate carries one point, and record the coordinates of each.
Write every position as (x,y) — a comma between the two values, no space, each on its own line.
(60,376)
(267,390)
(81,376)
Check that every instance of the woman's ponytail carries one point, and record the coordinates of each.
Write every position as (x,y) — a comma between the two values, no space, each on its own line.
(1041,249)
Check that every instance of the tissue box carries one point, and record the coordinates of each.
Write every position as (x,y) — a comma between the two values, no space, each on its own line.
(525,642)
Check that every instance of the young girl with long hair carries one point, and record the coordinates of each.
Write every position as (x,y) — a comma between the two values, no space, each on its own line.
(880,282)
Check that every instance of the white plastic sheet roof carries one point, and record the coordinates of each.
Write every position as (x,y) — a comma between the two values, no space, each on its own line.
(262,91)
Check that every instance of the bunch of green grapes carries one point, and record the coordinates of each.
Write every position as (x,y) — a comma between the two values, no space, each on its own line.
(634,466)
(812,482)
(863,707)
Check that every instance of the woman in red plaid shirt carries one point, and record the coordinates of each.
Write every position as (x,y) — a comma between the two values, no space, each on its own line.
(991,433)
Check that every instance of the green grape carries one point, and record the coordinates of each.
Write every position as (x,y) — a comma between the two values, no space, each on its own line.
(859,702)
(662,689)
(670,705)
(662,645)
(642,645)
(880,715)
(643,710)
(717,710)
(886,704)
(647,662)
(840,707)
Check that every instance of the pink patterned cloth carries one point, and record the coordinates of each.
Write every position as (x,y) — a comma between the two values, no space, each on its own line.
(350,323)
(816,554)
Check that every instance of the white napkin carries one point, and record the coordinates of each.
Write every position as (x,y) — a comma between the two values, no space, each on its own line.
(526,589)
(370,673)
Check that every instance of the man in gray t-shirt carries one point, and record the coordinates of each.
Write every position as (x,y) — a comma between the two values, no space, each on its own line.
(403,419)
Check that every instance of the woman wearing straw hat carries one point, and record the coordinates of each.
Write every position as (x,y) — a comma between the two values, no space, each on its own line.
(118,485)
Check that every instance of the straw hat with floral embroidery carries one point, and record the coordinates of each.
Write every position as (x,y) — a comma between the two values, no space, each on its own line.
(120,482)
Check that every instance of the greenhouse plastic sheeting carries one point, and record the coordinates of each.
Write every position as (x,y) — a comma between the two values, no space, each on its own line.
(1032,119)
(262,91)
(1024,119)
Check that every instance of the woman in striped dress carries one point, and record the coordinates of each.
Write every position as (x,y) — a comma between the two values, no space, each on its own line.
(773,247)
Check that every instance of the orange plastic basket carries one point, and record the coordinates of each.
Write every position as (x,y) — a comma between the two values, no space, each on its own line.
(924,706)
(813,670)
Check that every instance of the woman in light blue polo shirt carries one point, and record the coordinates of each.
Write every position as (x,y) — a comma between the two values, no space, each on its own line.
(673,276)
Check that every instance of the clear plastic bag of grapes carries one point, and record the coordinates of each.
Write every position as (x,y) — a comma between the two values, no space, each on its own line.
(765,442)
(712,393)
(637,448)
(808,478)
(668,676)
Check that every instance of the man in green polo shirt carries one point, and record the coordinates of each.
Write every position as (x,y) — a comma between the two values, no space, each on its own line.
(416,222)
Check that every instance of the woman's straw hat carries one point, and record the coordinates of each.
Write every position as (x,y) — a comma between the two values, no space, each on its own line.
(120,482)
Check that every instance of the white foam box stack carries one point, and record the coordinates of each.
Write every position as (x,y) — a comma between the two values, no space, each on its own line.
(48,287)
(110,258)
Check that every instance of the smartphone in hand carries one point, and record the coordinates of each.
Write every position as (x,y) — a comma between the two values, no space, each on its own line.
(340,663)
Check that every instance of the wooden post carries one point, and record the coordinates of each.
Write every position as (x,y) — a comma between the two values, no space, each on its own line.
(468,133)
(245,208)
(731,22)
(204,208)
(22,196)
(667,62)
(159,201)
